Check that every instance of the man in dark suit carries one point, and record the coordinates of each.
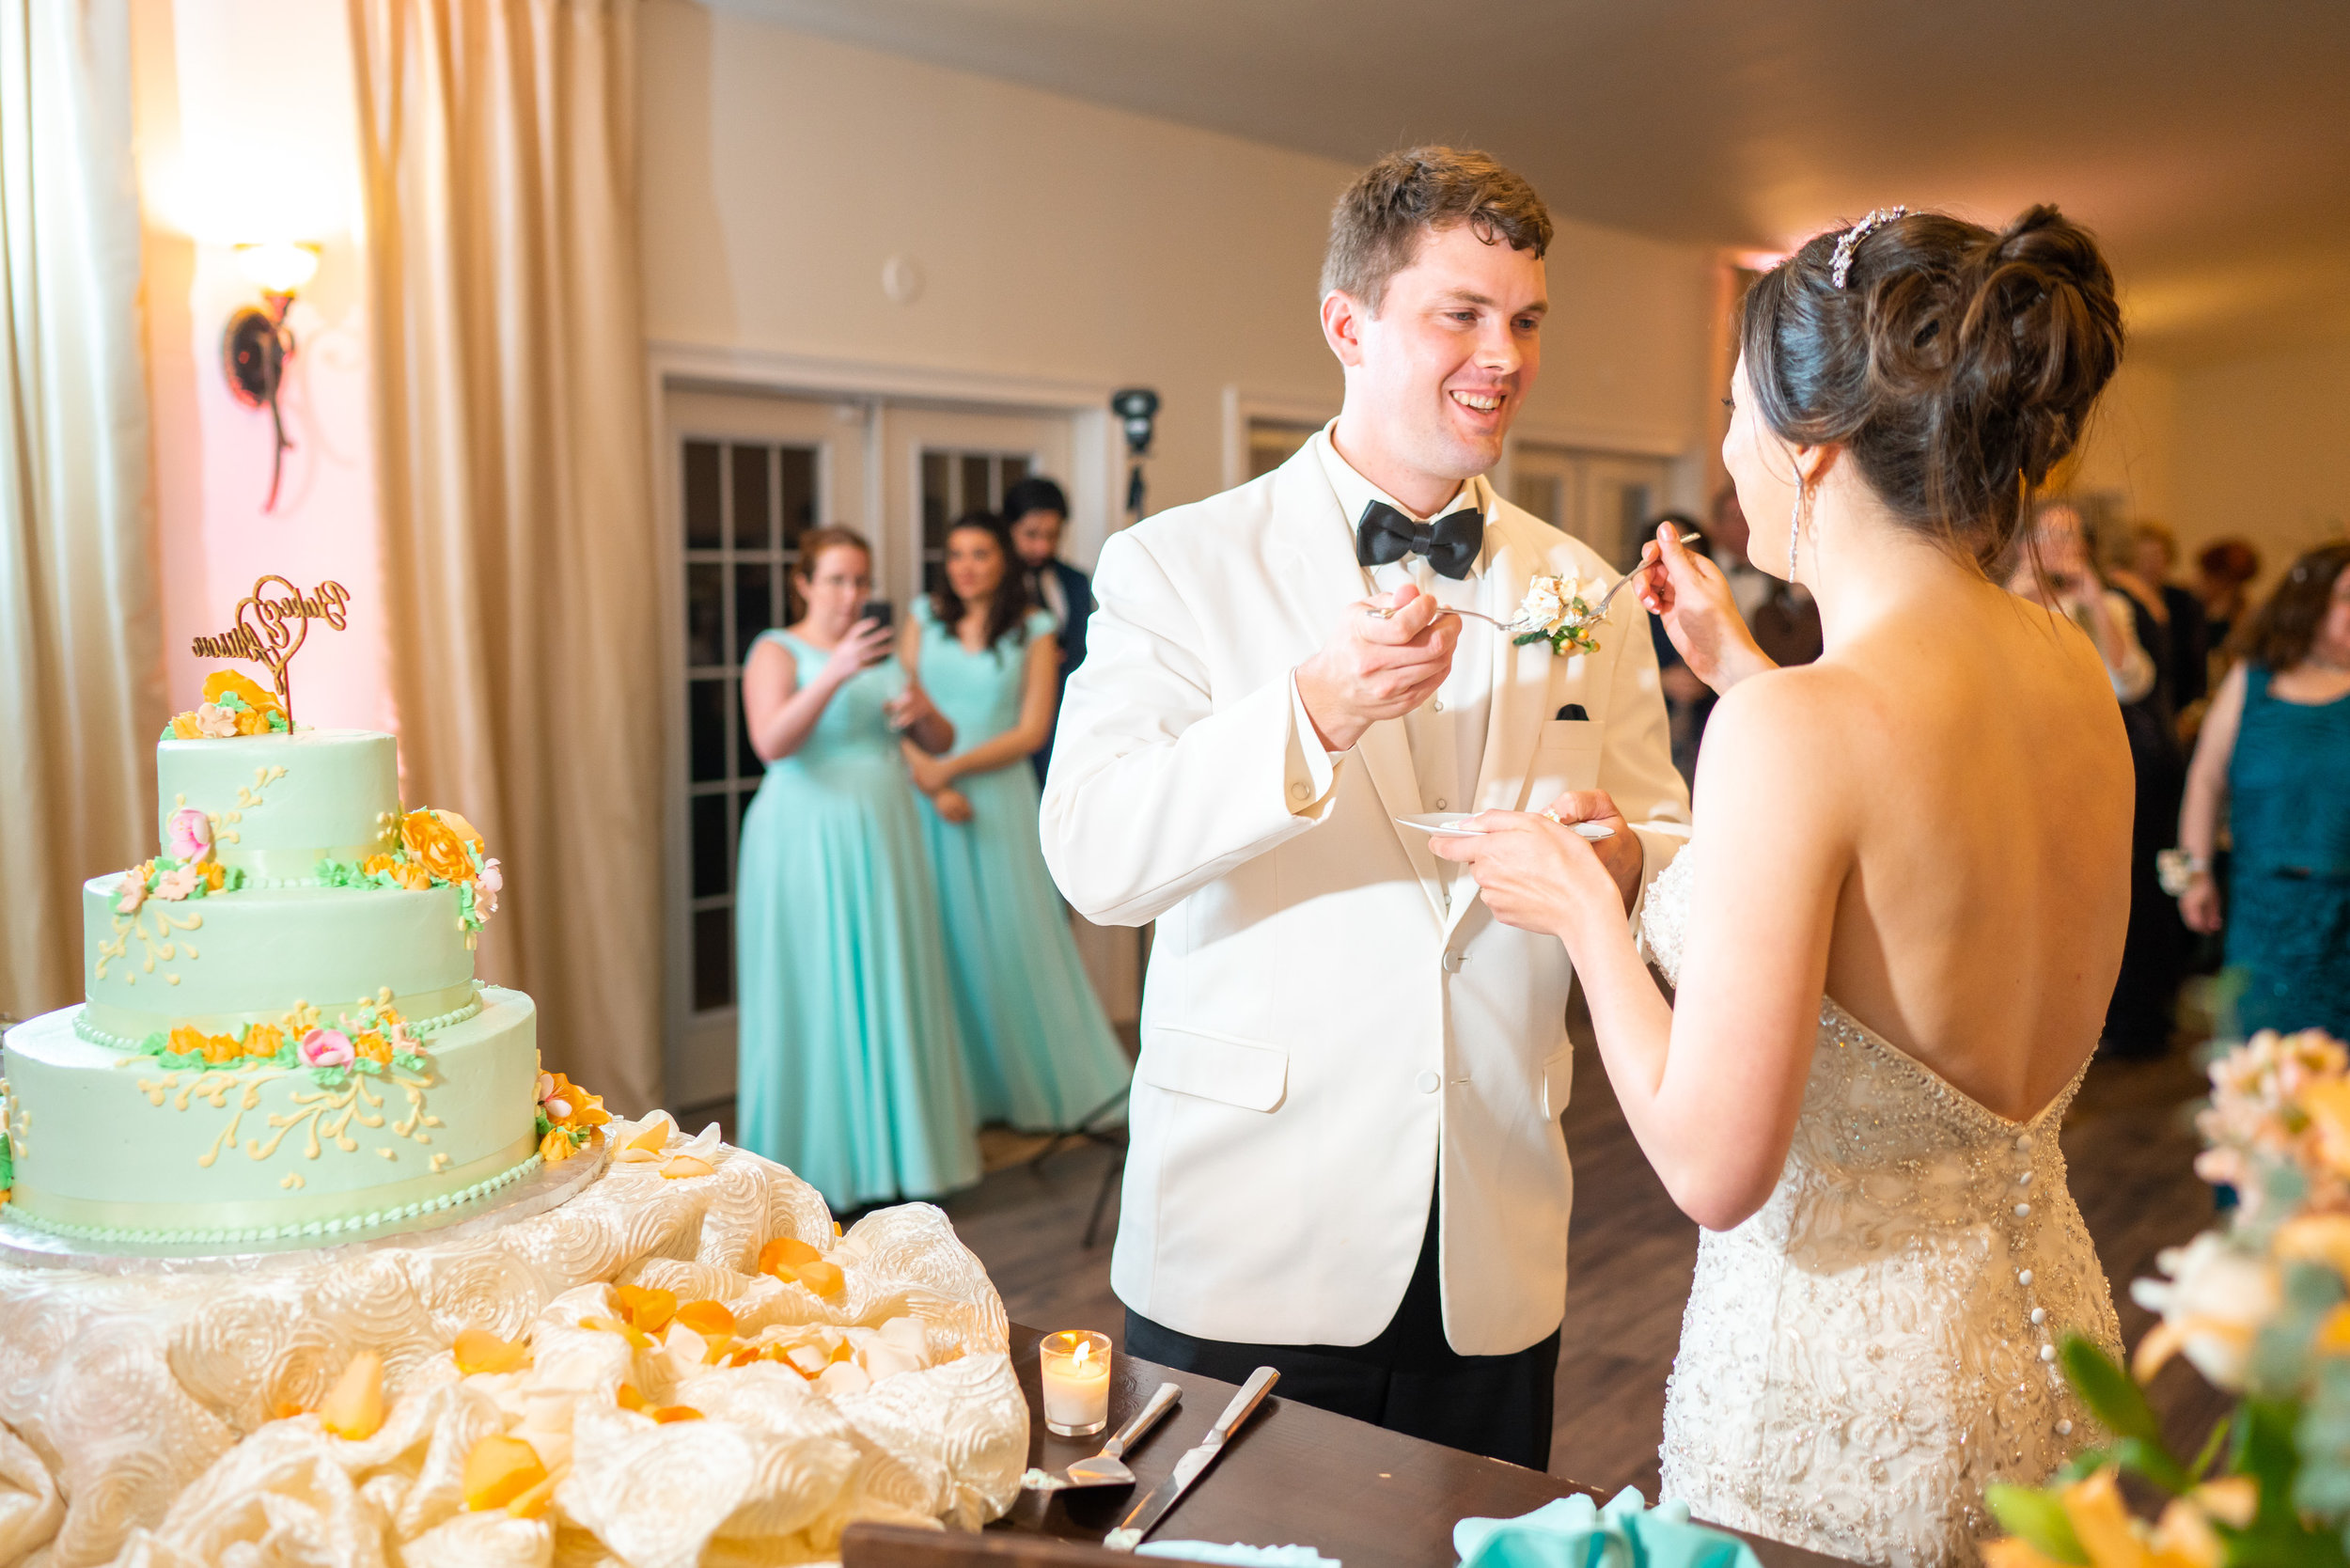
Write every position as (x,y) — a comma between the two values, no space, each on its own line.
(1037,511)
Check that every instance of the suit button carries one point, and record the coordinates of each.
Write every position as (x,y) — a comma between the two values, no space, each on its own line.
(1427,1083)
(1453,961)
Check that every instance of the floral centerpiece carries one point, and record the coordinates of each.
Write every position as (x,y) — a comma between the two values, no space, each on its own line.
(2259,1305)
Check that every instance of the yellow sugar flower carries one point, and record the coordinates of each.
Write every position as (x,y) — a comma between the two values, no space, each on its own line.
(185,1041)
(251,691)
(436,845)
(184,727)
(263,1040)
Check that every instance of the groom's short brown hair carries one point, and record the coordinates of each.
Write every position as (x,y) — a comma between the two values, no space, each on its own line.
(1375,229)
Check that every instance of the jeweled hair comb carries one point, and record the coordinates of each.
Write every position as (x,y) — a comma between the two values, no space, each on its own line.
(1840,265)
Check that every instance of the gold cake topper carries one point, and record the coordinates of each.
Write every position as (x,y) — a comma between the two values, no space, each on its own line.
(277,629)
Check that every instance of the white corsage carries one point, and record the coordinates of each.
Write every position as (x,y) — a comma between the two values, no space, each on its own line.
(1559,611)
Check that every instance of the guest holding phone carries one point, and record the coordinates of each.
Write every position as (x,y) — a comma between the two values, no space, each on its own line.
(1036,1045)
(850,1067)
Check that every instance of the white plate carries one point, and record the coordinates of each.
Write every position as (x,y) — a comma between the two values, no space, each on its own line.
(1450,822)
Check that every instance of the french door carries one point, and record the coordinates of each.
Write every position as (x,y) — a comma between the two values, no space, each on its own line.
(1606,499)
(749,474)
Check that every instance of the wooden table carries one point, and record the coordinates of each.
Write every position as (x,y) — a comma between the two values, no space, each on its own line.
(1371,1497)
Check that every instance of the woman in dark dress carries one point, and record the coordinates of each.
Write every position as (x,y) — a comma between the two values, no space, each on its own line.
(2275,756)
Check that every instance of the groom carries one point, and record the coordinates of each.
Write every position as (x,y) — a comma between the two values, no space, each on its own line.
(1346,1157)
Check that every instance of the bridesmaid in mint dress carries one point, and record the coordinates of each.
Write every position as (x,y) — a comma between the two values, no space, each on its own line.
(1038,1050)
(850,1071)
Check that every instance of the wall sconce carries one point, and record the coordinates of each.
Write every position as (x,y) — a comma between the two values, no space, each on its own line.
(257,343)
(1137,409)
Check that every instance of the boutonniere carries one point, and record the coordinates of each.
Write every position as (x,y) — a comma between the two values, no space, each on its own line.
(1564,612)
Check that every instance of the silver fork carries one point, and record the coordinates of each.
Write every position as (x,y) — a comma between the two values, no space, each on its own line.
(1597,611)
(1108,1468)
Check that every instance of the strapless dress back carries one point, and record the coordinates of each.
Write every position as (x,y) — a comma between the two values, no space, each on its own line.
(1876,1344)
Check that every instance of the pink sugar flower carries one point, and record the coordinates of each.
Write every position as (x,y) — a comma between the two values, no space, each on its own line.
(133,890)
(177,883)
(326,1048)
(189,835)
(487,882)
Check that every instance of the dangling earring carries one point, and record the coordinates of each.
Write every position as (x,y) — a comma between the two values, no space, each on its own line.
(1794,525)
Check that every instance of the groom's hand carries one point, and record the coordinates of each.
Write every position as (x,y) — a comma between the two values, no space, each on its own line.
(1372,670)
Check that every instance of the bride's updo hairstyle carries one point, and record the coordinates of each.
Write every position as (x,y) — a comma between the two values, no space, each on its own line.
(1956,365)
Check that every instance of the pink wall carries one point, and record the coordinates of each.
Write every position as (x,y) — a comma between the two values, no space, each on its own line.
(220,163)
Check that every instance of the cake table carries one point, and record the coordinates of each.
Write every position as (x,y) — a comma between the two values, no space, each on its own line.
(168,1415)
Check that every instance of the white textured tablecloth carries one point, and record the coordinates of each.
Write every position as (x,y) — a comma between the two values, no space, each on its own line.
(138,1408)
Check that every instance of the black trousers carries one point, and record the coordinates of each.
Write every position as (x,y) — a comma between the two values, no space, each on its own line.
(1407,1380)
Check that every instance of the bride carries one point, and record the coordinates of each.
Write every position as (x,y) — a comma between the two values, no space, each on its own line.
(1897,926)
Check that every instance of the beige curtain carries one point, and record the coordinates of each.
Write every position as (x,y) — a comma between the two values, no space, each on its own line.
(499,154)
(80,657)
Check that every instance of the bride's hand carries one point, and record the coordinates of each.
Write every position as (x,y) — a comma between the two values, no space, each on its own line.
(1537,874)
(1689,594)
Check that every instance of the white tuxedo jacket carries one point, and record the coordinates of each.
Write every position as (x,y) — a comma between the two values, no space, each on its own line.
(1322,1036)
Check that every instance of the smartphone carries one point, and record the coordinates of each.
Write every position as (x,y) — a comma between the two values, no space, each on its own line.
(881,613)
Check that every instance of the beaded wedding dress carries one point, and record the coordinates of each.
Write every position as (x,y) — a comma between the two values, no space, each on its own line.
(1876,1344)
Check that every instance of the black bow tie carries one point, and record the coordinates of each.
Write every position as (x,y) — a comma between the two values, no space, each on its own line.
(1449,544)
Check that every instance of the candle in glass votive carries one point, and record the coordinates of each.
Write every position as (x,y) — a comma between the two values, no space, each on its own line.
(1077,1364)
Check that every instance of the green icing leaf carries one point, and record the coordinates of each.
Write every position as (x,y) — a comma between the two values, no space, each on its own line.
(231,701)
(542,1126)
(277,722)
(7,1162)
(408,1061)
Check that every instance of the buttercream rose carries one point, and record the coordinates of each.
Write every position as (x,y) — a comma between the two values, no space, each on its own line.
(438,844)
(189,835)
(326,1048)
(247,691)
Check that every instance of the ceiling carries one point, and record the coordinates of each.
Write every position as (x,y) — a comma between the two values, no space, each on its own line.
(2207,143)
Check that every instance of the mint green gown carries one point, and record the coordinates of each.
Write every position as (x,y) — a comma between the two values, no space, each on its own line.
(1037,1048)
(850,1071)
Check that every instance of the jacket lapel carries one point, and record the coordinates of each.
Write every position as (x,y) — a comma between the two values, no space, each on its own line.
(1526,686)
(1318,580)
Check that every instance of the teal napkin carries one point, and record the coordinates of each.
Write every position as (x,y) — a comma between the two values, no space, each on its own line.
(1575,1533)
(1238,1556)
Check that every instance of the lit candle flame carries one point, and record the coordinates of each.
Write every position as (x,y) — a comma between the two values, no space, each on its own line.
(1085,1348)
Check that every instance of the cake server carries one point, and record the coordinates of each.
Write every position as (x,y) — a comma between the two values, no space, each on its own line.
(1144,1516)
(1108,1468)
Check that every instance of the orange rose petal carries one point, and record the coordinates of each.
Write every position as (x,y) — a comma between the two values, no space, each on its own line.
(669,1413)
(681,1165)
(787,1251)
(354,1406)
(477,1350)
(628,1398)
(650,1137)
(743,1356)
(286,1410)
(533,1503)
(706,1317)
(613,1326)
(648,1309)
(718,1346)
(498,1470)
(823,1277)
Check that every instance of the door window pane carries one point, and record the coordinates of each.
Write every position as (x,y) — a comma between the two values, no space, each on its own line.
(936,499)
(799,494)
(713,958)
(746,762)
(751,525)
(976,495)
(703,529)
(1015,469)
(706,729)
(753,605)
(712,865)
(705,613)
(1538,494)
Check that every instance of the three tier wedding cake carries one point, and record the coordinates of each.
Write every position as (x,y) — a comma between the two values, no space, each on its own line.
(283,1038)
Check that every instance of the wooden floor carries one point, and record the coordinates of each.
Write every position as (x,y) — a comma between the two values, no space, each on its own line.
(2127,1141)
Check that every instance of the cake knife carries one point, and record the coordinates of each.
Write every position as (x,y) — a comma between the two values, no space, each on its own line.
(1144,1516)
